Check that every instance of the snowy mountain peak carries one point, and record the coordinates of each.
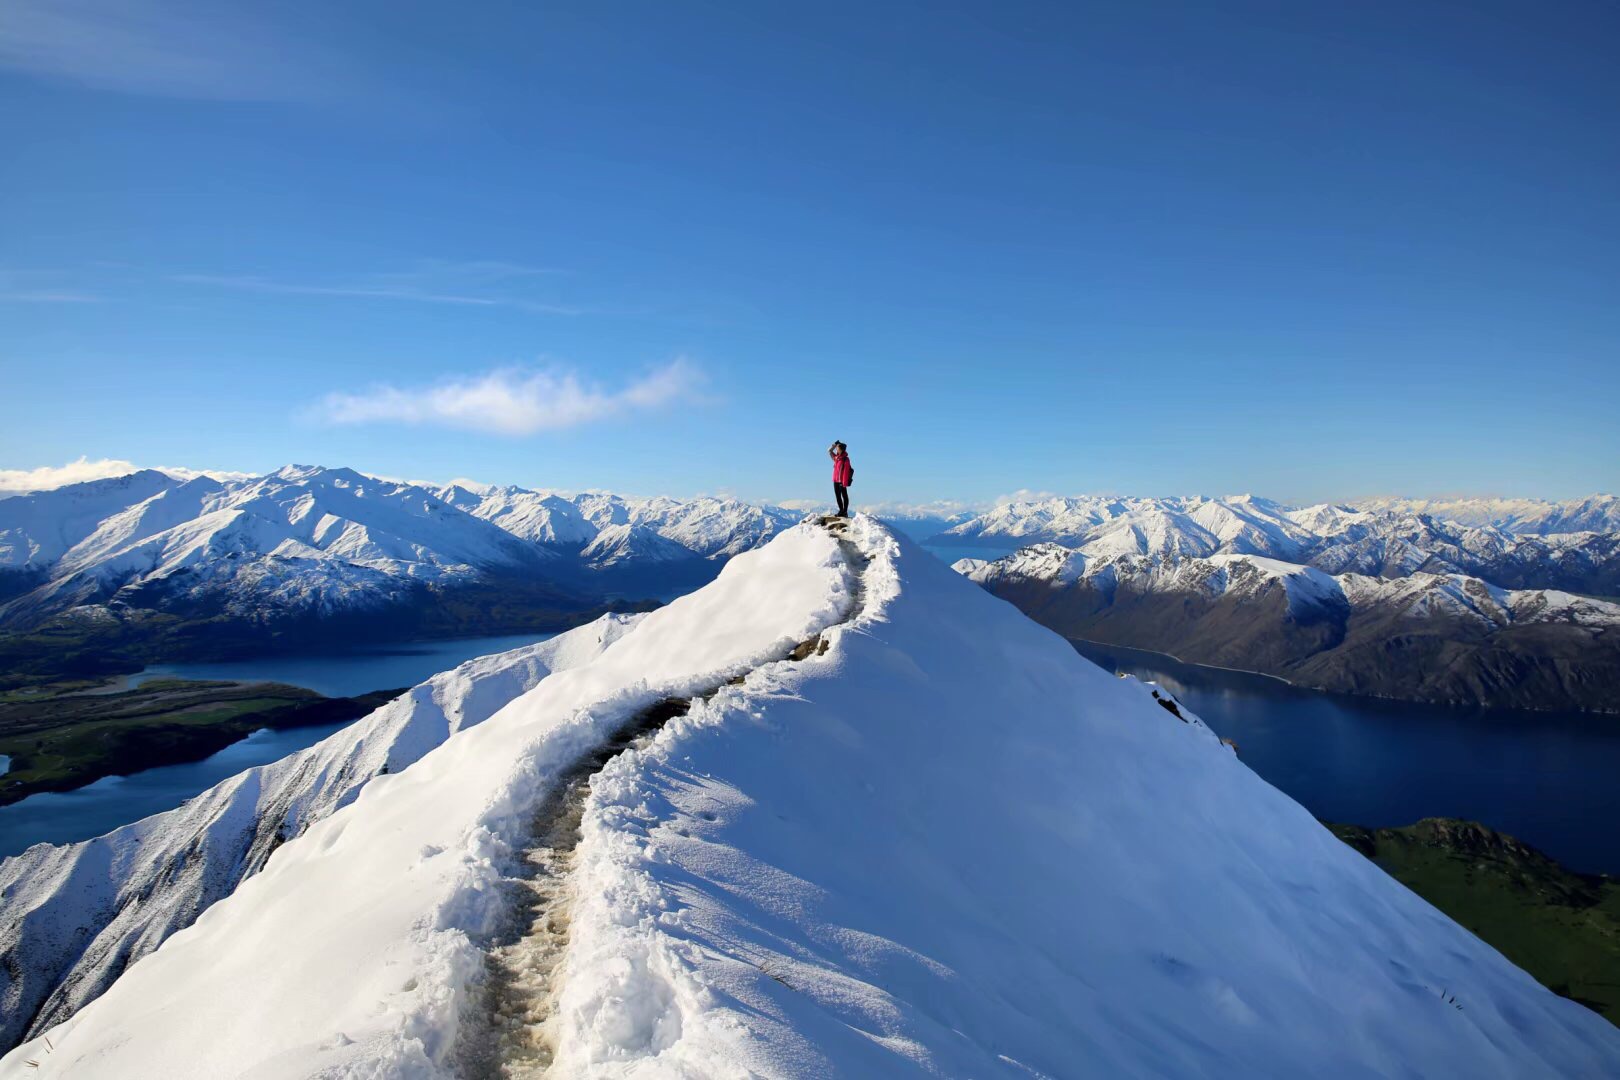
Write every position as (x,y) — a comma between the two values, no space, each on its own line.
(312,538)
(37,529)
(297,473)
(619,544)
(774,872)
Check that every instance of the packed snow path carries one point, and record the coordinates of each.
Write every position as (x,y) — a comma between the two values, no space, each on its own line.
(519,991)
(946,845)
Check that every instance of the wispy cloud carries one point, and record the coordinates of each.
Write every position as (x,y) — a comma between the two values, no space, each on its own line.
(472,284)
(51,477)
(39,287)
(1023,495)
(512,401)
(171,48)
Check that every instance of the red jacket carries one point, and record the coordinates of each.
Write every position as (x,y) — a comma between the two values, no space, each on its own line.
(843,471)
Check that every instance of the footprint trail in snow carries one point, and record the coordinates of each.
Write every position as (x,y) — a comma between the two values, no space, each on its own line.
(523,964)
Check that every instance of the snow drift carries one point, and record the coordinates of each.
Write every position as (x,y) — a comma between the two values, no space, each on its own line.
(940,842)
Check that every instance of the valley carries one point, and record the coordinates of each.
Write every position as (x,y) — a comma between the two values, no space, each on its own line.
(65,736)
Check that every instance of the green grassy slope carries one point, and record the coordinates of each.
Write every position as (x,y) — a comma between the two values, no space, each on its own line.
(60,739)
(1561,927)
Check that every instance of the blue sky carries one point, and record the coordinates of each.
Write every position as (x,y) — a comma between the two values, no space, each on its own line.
(1311,251)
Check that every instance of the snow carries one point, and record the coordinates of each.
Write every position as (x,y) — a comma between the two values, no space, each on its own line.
(326,538)
(72,916)
(307,539)
(1156,527)
(1307,587)
(1337,540)
(310,539)
(1540,517)
(952,847)
(618,544)
(36,529)
(1421,595)
(1386,538)
(532,515)
(1260,526)
(948,845)
(352,949)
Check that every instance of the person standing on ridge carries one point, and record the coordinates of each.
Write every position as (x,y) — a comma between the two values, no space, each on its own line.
(843,476)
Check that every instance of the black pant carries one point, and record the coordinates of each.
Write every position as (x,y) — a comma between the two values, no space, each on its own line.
(841,493)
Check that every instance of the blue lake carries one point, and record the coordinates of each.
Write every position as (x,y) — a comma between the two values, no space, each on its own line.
(950,553)
(1547,778)
(347,673)
(65,817)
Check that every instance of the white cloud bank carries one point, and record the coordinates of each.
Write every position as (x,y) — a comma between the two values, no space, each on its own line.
(51,477)
(512,401)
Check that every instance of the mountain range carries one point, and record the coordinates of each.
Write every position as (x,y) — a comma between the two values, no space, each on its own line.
(309,553)
(1438,637)
(106,575)
(1511,542)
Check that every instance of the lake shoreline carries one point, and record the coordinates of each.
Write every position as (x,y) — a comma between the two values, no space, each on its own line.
(1385,763)
(62,743)
(1211,667)
(124,794)
(1436,703)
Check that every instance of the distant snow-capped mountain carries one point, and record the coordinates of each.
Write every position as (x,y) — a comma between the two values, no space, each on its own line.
(302,540)
(621,544)
(715,528)
(541,518)
(1540,517)
(309,541)
(1424,636)
(1370,539)
(1147,526)
(37,529)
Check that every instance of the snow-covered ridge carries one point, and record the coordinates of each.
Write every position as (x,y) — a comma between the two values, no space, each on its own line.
(380,903)
(939,844)
(73,916)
